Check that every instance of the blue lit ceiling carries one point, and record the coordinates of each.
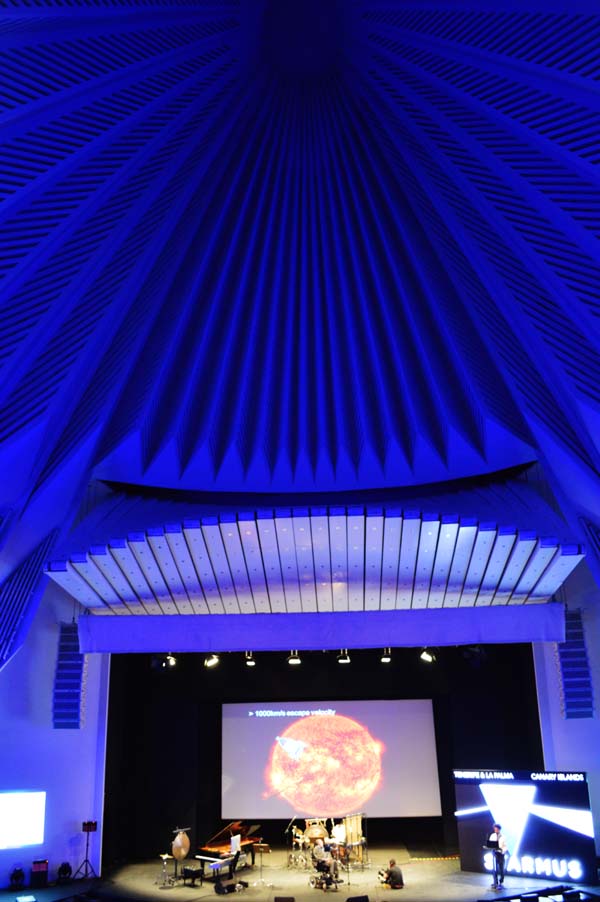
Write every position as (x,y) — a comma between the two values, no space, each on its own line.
(293,247)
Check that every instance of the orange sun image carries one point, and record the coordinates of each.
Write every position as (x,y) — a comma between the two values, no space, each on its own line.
(325,764)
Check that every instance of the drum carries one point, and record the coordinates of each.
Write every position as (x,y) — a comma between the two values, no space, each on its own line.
(339,851)
(315,830)
(180,846)
(297,838)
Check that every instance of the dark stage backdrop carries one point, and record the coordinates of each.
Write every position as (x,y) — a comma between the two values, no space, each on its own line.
(164,738)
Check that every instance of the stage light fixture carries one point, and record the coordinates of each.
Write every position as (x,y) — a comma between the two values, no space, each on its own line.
(211,660)
(428,655)
(170,661)
(343,657)
(64,873)
(386,656)
(250,662)
(17,878)
(294,658)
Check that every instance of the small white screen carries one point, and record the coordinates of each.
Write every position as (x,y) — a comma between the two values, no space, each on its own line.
(22,819)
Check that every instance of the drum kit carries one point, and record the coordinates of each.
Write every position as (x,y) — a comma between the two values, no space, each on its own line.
(345,842)
(299,856)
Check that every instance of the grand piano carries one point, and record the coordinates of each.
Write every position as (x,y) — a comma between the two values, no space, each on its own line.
(221,848)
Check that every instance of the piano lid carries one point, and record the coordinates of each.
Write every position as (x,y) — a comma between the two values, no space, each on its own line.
(225,833)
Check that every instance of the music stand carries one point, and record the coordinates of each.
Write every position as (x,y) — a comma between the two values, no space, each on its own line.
(262,847)
(86,866)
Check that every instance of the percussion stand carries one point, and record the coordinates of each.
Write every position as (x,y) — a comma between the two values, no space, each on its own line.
(348,869)
(164,881)
(261,847)
(365,859)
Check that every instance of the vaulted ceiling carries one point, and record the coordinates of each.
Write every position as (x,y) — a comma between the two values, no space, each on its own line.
(296,247)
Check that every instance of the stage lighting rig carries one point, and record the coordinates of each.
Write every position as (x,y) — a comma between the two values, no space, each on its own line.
(428,655)
(343,657)
(211,661)
(294,658)
(250,662)
(386,656)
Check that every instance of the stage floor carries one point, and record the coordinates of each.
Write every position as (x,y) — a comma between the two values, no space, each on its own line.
(427,879)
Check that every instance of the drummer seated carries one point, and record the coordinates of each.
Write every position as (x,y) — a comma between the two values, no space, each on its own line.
(324,860)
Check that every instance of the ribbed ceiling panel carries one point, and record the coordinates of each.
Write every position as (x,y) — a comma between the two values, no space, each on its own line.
(318,560)
(211,264)
(302,246)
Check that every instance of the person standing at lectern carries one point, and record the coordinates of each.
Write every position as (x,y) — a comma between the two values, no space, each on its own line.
(497,844)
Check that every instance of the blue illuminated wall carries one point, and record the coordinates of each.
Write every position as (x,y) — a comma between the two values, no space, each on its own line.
(67,764)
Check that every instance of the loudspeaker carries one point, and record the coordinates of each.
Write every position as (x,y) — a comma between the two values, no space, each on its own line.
(284,899)
(223,888)
(39,873)
(358,899)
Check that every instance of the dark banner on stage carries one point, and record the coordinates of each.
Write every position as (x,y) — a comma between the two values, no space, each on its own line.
(545,819)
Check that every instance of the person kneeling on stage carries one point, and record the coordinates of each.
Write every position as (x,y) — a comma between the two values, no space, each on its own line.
(321,854)
(393,875)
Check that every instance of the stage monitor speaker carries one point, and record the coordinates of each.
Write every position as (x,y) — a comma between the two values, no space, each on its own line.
(571,895)
(223,888)
(284,899)
(358,899)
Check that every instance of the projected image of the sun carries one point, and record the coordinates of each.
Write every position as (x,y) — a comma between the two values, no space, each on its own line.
(326,764)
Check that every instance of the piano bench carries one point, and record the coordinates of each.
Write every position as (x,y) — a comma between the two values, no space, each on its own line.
(192,874)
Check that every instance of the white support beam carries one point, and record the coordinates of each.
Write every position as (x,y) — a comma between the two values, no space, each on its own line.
(220,565)
(374,531)
(390,558)
(443,560)
(319,525)
(194,537)
(338,543)
(428,539)
(267,534)
(356,558)
(248,530)
(183,559)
